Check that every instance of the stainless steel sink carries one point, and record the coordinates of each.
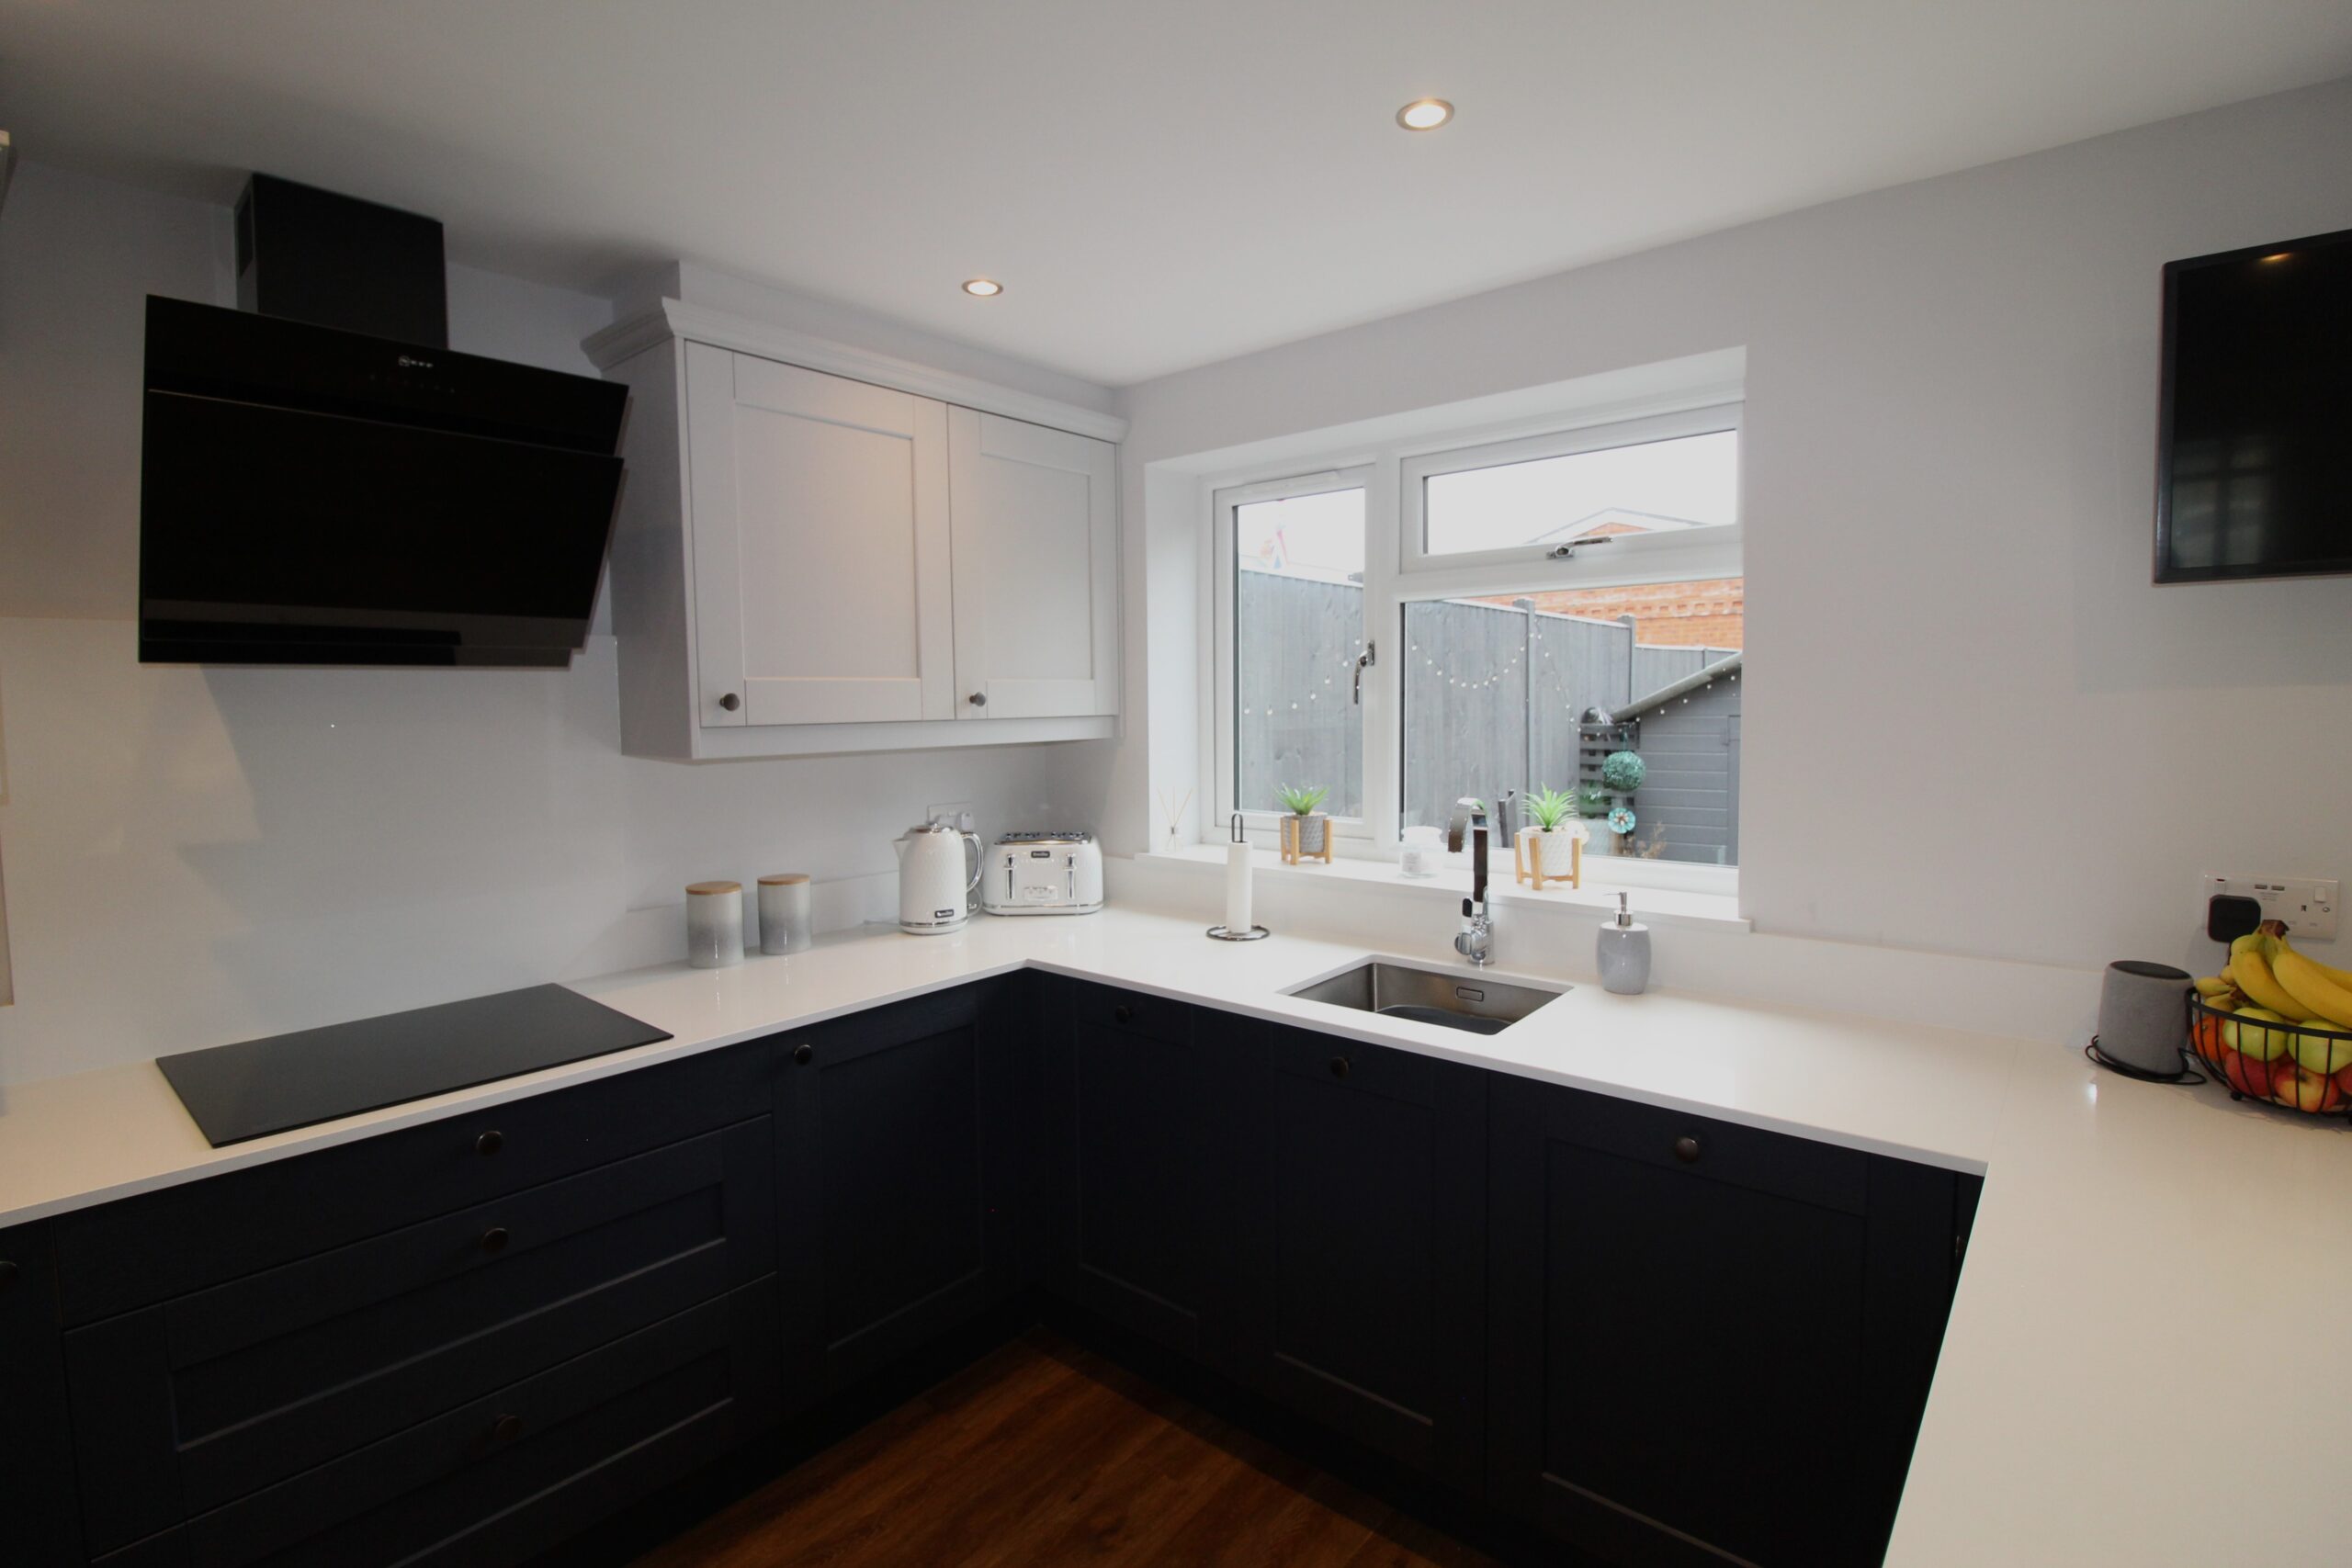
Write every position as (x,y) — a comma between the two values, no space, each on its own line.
(1453,998)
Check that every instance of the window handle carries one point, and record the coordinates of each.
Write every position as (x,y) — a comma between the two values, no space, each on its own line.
(1365,660)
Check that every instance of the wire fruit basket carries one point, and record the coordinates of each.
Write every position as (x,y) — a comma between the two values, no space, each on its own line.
(2298,1066)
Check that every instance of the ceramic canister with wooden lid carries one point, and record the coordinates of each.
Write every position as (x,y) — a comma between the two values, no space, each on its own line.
(784,912)
(714,924)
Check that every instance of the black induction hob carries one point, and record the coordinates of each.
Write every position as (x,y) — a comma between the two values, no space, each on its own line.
(259,1087)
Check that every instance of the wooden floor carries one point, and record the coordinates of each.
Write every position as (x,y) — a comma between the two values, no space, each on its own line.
(1044,1453)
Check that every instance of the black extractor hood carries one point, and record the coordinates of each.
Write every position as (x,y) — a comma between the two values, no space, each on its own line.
(323,483)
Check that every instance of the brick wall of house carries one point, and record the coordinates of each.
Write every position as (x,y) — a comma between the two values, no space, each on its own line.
(1707,614)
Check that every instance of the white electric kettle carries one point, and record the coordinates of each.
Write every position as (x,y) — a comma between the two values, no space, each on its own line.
(934,880)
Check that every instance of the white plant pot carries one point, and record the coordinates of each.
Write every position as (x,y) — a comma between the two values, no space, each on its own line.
(1553,853)
(1311,829)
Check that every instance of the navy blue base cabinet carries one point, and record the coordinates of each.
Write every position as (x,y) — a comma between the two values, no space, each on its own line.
(899,1185)
(1144,1140)
(1708,1344)
(36,1473)
(1661,1339)
(1363,1232)
(458,1343)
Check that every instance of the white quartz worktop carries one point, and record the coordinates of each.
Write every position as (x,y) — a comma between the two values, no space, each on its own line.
(2141,1366)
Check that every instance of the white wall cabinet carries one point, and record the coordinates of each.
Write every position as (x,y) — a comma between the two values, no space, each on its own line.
(811,561)
(1035,515)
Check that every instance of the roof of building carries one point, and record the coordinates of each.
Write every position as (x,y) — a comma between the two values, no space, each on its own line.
(1684,687)
(1626,518)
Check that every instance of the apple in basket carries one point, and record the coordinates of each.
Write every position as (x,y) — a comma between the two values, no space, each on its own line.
(2244,1074)
(2243,1032)
(2299,1089)
(2321,1053)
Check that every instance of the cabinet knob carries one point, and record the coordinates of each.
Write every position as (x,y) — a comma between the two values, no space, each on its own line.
(803,1053)
(1123,1013)
(1686,1149)
(489,1143)
(9,1272)
(730,702)
(977,699)
(1338,1066)
(507,1429)
(493,1240)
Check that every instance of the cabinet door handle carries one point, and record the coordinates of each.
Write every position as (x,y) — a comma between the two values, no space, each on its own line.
(1338,1066)
(802,1055)
(507,1429)
(977,699)
(494,1239)
(1686,1149)
(1123,1013)
(730,702)
(489,1143)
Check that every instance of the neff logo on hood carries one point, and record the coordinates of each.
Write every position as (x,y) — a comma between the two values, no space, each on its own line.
(410,361)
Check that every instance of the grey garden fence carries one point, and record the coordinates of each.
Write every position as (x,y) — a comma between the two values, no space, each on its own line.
(1494,697)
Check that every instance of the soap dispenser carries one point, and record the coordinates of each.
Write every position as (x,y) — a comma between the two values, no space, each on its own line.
(1624,954)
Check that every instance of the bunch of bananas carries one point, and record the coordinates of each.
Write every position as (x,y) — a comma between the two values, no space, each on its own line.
(2284,1012)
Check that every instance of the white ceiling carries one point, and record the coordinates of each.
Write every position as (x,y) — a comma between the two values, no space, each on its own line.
(1158,183)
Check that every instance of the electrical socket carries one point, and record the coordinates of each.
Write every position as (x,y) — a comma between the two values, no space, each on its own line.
(2306,903)
(951,812)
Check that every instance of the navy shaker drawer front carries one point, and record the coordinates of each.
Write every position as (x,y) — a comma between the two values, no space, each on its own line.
(153,1248)
(525,1465)
(183,1406)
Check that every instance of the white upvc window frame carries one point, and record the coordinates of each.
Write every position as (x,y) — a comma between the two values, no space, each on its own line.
(1261,825)
(1397,572)
(1649,557)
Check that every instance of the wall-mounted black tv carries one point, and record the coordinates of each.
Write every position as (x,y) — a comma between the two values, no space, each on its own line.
(2254,443)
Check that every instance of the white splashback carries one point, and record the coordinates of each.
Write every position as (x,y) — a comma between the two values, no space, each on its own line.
(199,855)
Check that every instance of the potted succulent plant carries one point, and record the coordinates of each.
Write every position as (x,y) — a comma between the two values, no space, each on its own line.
(1551,846)
(1306,832)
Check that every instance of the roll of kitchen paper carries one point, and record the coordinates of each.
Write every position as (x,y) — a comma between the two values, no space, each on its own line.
(1236,889)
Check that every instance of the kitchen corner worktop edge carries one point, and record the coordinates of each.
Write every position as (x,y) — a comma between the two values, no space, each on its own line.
(96,1137)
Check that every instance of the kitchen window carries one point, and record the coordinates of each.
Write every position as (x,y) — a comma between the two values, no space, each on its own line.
(1504,614)
(1293,557)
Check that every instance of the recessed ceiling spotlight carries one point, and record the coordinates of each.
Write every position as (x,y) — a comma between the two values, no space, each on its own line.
(1425,114)
(983,288)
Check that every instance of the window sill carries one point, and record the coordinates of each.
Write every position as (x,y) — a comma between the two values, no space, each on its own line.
(1651,905)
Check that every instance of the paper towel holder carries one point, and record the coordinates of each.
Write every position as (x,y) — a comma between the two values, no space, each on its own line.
(1222,934)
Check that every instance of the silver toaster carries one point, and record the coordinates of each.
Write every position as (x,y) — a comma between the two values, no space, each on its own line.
(1041,874)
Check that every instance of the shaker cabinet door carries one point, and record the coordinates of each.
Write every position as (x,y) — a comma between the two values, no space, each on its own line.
(821,546)
(1365,1234)
(1143,1150)
(1708,1344)
(899,1180)
(1037,572)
